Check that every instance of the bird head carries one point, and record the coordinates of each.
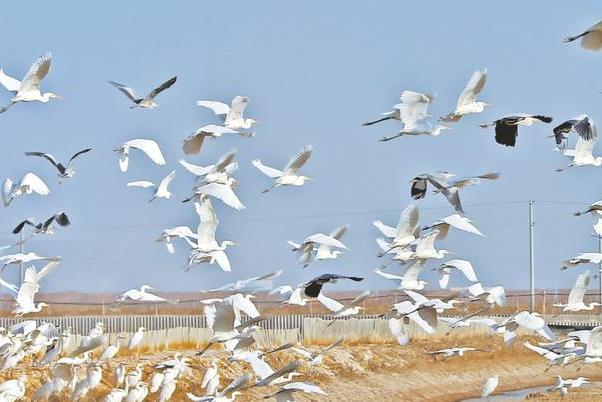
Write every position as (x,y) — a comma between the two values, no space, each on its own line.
(42,304)
(50,95)
(142,329)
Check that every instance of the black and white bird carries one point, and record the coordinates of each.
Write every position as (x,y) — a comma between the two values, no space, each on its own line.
(45,227)
(506,128)
(467,102)
(65,172)
(147,102)
(591,38)
(583,125)
(314,287)
(28,89)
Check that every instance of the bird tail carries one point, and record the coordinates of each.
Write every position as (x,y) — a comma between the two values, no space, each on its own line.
(545,119)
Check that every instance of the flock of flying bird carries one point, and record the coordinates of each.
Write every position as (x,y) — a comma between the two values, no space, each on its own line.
(234,320)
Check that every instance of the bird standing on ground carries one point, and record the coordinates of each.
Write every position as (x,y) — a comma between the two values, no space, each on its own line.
(467,102)
(160,191)
(65,172)
(233,114)
(28,89)
(506,128)
(147,102)
(289,176)
(149,147)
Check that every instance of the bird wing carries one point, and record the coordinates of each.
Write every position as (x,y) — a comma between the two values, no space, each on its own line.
(220,316)
(359,299)
(414,107)
(386,230)
(10,83)
(237,383)
(35,184)
(407,221)
(9,286)
(339,232)
(83,151)
(505,133)
(162,87)
(222,192)
(586,128)
(266,170)
(127,91)
(239,104)
(426,242)
(49,157)
(451,194)
(21,225)
(584,149)
(192,144)
(62,219)
(305,387)
(244,304)
(225,160)
(284,289)
(388,275)
(48,268)
(259,366)
(463,266)
(298,160)
(166,181)
(207,223)
(292,366)
(425,318)
(196,170)
(417,297)
(141,183)
(208,376)
(217,107)
(473,87)
(418,188)
(413,271)
(321,238)
(580,288)
(329,303)
(150,148)
(396,328)
(462,223)
(36,73)
(26,294)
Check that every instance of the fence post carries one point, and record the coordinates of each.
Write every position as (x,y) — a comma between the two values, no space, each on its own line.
(544,302)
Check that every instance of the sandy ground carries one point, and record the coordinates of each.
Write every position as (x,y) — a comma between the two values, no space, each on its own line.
(380,372)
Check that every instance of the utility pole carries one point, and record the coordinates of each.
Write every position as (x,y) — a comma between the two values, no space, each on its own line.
(21,249)
(531,257)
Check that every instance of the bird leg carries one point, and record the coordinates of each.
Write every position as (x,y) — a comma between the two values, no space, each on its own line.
(204,349)
(268,189)
(384,139)
(573,38)
(369,123)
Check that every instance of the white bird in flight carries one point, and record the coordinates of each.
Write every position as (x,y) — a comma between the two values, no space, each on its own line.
(206,248)
(149,147)
(407,229)
(140,295)
(583,154)
(24,258)
(25,294)
(575,300)
(147,102)
(220,172)
(65,172)
(409,280)
(193,143)
(29,184)
(289,176)
(456,221)
(445,269)
(305,249)
(234,118)
(179,232)
(414,116)
(591,38)
(583,258)
(160,191)
(467,102)
(223,192)
(28,89)
(247,284)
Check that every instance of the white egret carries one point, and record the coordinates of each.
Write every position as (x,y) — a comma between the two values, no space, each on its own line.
(409,280)
(489,386)
(89,382)
(147,102)
(233,114)
(223,192)
(193,143)
(552,357)
(583,154)
(424,247)
(119,374)
(456,221)
(262,369)
(467,102)
(160,191)
(210,381)
(24,258)
(445,269)
(407,229)
(591,38)
(306,248)
(207,248)
(228,394)
(138,393)
(283,374)
(413,115)
(13,390)
(575,300)
(289,176)
(149,147)
(94,340)
(30,183)
(316,357)
(583,258)
(397,330)
(28,89)
(423,301)
(595,210)
(220,172)
(110,351)
(45,227)
(25,294)
(137,338)
(423,316)
(345,310)
(116,395)
(495,295)
(450,352)
(506,128)
(140,295)
(180,232)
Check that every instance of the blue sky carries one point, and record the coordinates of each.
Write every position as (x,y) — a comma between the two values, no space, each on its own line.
(314,71)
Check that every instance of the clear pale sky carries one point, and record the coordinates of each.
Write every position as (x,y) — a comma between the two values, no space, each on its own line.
(314,71)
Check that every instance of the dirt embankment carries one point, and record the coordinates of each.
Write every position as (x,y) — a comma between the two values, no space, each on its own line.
(374,372)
